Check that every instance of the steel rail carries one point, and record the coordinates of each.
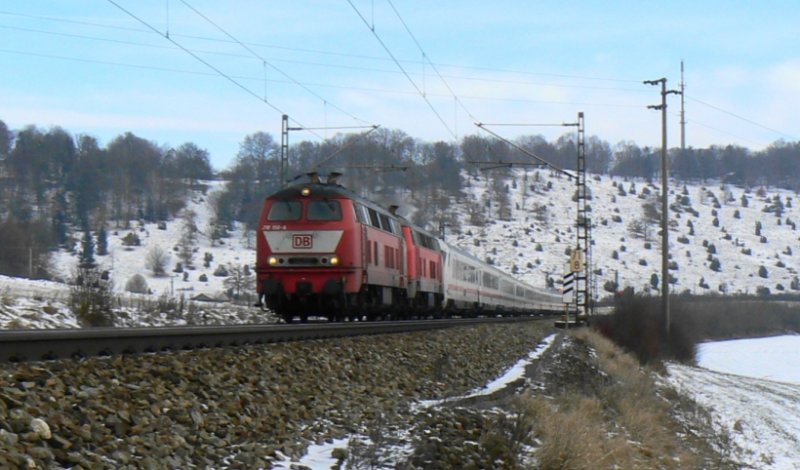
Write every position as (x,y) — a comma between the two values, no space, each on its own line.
(35,345)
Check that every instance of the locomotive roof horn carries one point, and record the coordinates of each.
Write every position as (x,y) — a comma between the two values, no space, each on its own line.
(313,177)
(332,177)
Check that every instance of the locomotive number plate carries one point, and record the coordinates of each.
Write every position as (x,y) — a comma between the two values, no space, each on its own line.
(302,241)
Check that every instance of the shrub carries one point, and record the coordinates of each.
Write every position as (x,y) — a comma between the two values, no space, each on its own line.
(221,271)
(637,326)
(157,260)
(137,284)
(91,298)
(131,239)
(762,272)
(673,265)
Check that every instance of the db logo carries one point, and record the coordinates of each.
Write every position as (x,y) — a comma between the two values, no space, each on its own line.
(302,242)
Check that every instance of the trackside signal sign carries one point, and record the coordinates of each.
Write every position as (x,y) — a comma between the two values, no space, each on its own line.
(568,288)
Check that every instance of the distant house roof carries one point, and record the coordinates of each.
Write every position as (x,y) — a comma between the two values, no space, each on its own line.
(206,298)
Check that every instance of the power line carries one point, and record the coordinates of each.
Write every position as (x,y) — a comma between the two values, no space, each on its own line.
(425,57)
(721,131)
(316,64)
(325,52)
(258,56)
(400,66)
(321,85)
(200,59)
(206,63)
(749,121)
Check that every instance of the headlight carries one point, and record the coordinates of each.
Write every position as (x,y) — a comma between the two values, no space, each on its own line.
(305,191)
(273,261)
(334,260)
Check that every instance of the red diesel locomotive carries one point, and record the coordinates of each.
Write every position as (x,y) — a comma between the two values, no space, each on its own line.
(325,251)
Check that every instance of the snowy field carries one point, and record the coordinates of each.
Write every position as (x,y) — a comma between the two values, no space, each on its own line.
(776,358)
(761,416)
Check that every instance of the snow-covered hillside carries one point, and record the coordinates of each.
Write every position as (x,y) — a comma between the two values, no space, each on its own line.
(709,223)
(708,220)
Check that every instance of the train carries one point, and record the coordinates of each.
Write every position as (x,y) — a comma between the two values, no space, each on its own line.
(325,251)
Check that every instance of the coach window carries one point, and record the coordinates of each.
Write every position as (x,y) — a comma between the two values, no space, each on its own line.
(285,210)
(324,210)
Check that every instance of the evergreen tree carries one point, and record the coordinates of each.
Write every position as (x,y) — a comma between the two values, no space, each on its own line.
(87,249)
(91,298)
(654,281)
(102,241)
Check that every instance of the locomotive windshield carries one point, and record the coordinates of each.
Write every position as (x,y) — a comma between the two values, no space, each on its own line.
(285,210)
(324,210)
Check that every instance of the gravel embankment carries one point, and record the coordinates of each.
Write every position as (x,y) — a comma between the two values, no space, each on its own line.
(239,407)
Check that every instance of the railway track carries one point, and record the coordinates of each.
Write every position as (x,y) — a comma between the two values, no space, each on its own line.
(36,345)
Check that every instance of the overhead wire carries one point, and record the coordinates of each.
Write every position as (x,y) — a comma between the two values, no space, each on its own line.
(400,66)
(324,52)
(321,85)
(425,58)
(749,121)
(477,122)
(316,64)
(150,29)
(258,56)
(204,62)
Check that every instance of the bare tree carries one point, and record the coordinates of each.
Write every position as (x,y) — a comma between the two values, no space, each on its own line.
(240,279)
(188,238)
(157,260)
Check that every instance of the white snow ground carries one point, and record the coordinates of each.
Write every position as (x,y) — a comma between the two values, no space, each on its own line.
(762,417)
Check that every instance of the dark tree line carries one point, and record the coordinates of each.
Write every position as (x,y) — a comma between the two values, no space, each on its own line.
(53,184)
(776,165)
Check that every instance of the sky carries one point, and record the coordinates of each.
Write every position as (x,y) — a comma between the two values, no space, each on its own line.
(209,72)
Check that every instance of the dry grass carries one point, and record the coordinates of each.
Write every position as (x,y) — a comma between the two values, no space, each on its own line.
(573,435)
(624,425)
